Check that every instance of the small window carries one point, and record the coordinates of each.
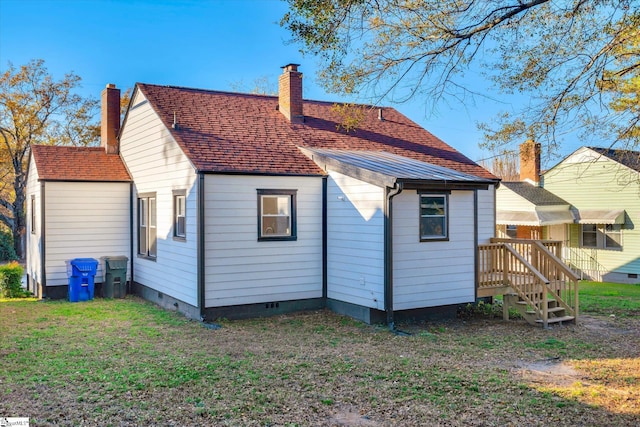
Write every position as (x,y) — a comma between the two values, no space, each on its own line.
(147,226)
(277,214)
(612,236)
(433,217)
(179,215)
(33,214)
(602,236)
(512,231)
(589,236)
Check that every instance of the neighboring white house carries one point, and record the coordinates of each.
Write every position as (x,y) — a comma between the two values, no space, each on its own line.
(247,205)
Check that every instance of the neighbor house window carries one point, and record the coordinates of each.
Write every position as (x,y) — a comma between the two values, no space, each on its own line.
(33,214)
(433,217)
(147,226)
(512,231)
(589,236)
(277,214)
(179,215)
(613,236)
(602,236)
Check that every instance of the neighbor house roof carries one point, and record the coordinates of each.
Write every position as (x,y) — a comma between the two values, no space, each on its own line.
(225,132)
(536,195)
(630,159)
(55,163)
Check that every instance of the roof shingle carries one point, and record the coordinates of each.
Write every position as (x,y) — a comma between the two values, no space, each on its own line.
(241,133)
(56,163)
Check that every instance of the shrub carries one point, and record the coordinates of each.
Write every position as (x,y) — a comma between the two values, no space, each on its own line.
(10,281)
(7,252)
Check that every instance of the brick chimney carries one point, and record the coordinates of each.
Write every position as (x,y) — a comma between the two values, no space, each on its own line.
(530,162)
(110,119)
(290,93)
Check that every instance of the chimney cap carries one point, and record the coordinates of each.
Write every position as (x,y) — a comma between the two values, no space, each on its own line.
(111,86)
(290,67)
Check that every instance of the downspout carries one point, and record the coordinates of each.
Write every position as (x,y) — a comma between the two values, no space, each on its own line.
(324,239)
(43,252)
(131,205)
(476,266)
(390,193)
(200,244)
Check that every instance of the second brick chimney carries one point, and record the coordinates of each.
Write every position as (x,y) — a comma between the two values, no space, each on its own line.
(290,93)
(530,162)
(110,119)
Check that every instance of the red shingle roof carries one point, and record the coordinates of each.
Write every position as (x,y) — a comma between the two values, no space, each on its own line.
(56,163)
(241,133)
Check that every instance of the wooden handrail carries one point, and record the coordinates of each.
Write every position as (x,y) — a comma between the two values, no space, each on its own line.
(559,264)
(526,263)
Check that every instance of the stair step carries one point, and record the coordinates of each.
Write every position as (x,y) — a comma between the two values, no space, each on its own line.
(557,319)
(550,310)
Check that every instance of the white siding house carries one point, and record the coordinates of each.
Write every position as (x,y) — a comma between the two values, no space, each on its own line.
(239,268)
(247,205)
(78,207)
(159,167)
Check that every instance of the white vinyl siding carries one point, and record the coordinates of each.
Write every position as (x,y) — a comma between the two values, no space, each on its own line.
(84,220)
(587,180)
(355,241)
(239,269)
(486,214)
(33,240)
(433,273)
(158,165)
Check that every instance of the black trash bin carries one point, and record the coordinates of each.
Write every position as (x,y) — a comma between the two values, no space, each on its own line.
(115,277)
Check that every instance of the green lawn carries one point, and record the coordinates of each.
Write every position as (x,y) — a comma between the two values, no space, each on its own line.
(128,362)
(610,298)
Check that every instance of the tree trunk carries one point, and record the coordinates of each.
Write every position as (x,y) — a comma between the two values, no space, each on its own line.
(19,223)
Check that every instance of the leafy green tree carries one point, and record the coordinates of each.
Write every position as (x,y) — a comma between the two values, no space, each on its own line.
(577,61)
(36,109)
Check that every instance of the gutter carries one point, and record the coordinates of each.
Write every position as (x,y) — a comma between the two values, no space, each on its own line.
(390,193)
(200,245)
(324,239)
(43,242)
(131,237)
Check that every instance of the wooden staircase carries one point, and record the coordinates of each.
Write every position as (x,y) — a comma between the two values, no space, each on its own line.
(555,312)
(531,278)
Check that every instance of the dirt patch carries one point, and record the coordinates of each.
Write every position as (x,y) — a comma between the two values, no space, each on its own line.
(551,371)
(350,416)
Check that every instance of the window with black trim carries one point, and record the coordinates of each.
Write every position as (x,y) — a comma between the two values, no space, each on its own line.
(602,236)
(147,226)
(179,215)
(434,217)
(277,214)
(33,214)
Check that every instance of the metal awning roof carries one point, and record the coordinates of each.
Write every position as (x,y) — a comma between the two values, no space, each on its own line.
(534,218)
(385,169)
(600,216)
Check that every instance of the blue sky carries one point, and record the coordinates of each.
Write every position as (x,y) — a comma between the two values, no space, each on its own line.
(220,45)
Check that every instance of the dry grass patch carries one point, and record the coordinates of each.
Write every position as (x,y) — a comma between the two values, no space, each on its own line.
(127,362)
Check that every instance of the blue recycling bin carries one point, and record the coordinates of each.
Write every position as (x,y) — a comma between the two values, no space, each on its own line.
(81,273)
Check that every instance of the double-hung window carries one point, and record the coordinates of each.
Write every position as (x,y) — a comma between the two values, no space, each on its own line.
(602,236)
(434,215)
(179,215)
(277,215)
(147,226)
